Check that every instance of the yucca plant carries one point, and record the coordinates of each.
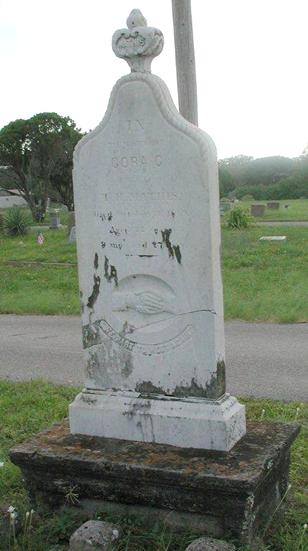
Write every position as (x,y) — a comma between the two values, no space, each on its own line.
(238,218)
(16,221)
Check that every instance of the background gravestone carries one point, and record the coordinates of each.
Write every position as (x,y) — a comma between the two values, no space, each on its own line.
(148,236)
(70,222)
(257,210)
(273,205)
(55,223)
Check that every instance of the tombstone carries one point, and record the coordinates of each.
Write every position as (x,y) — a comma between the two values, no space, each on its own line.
(224,206)
(273,238)
(70,222)
(152,429)
(273,205)
(147,210)
(55,223)
(257,210)
(72,235)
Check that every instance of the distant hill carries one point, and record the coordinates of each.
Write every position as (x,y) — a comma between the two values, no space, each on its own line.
(274,177)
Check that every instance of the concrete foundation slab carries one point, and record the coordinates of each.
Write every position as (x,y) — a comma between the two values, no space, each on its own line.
(231,494)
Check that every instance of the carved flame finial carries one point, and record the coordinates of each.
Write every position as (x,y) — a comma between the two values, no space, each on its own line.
(138,44)
(136,19)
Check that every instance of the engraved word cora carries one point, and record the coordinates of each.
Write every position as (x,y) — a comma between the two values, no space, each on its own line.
(148,238)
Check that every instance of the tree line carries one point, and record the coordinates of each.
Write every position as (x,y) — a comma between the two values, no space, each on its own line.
(265,178)
(36,161)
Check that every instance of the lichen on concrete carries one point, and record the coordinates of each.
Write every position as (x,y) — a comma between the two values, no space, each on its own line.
(235,489)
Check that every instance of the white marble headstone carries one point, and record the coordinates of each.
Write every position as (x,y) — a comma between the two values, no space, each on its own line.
(148,237)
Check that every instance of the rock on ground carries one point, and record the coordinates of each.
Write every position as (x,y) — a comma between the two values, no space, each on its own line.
(210,544)
(95,535)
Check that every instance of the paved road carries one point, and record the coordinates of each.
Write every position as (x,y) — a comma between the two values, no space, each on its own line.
(267,360)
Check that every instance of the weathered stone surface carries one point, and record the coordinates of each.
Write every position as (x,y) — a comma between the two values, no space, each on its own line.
(235,492)
(210,544)
(71,222)
(148,238)
(55,223)
(257,210)
(95,535)
(194,423)
(273,238)
(72,235)
(224,206)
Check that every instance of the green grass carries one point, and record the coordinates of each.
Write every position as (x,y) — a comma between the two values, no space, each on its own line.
(38,289)
(40,404)
(263,281)
(297,210)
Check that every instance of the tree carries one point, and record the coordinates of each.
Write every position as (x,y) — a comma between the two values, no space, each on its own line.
(226,181)
(61,176)
(267,178)
(40,151)
(268,170)
(236,167)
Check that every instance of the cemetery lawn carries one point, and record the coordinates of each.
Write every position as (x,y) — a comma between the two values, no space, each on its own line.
(263,281)
(297,210)
(38,279)
(40,404)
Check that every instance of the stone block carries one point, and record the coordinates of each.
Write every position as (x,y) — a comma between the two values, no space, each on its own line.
(224,206)
(95,535)
(231,494)
(210,544)
(189,422)
(273,238)
(55,223)
(72,235)
(70,222)
(257,210)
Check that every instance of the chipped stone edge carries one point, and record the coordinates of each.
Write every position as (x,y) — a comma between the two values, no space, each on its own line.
(204,424)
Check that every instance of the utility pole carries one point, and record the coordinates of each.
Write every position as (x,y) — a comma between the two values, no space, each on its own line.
(185,60)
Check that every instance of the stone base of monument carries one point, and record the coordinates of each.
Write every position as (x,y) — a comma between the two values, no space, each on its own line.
(197,422)
(223,494)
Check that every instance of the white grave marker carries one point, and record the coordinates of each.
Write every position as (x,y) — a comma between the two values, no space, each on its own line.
(148,238)
(273,238)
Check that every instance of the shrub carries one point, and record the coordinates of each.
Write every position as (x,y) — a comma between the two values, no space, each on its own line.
(238,218)
(248,197)
(16,221)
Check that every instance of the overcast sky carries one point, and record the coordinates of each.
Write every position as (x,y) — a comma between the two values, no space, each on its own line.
(251,60)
